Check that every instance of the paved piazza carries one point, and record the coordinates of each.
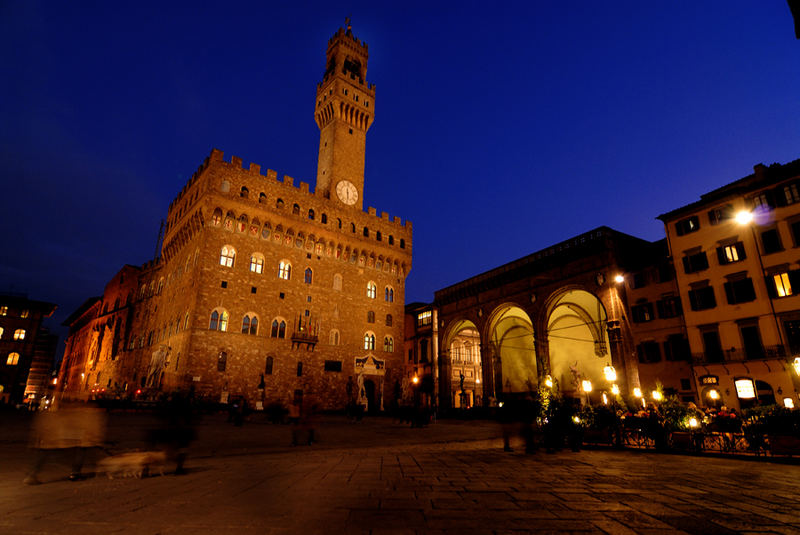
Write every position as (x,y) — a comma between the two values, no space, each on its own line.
(378,477)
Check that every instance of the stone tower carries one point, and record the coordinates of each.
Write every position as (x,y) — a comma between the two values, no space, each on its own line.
(344,112)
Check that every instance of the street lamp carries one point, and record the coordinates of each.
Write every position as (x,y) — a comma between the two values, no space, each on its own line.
(548,381)
(619,279)
(610,373)
(615,389)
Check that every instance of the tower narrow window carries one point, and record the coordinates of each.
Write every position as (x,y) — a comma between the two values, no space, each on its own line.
(284,270)
(308,276)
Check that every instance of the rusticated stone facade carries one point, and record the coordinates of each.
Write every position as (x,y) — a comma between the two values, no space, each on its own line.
(263,287)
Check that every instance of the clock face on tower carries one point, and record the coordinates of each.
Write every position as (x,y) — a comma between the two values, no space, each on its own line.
(347,192)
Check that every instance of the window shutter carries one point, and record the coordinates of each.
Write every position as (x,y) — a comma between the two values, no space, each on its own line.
(779,196)
(687,268)
(660,308)
(640,352)
(771,290)
(721,256)
(740,251)
(729,293)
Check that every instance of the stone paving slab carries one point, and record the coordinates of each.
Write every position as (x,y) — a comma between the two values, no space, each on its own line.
(400,484)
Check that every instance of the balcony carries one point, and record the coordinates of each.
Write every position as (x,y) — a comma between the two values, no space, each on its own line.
(739,355)
(303,337)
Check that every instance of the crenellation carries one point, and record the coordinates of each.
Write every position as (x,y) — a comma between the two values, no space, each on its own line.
(255,168)
(304,188)
(372,211)
(385,216)
(272,175)
(236,162)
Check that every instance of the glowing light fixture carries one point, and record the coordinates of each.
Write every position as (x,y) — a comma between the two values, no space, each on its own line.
(548,381)
(619,279)
(796,365)
(713,394)
(744,217)
(693,422)
(656,395)
(615,389)
(605,399)
(637,392)
(611,373)
(576,419)
(477,381)
(586,385)
(415,380)
(788,403)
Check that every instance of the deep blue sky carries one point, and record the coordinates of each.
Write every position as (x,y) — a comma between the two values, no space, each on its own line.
(500,128)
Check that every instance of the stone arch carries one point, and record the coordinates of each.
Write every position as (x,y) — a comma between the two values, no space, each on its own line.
(577,340)
(460,334)
(510,339)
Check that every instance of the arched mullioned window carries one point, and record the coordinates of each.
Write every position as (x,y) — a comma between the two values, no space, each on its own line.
(388,344)
(227,256)
(296,209)
(244,193)
(279,203)
(268,366)
(337,282)
(372,290)
(19,334)
(284,270)
(333,338)
(219,321)
(308,276)
(369,341)
(278,328)
(13,359)
(257,263)
(216,217)
(388,294)
(262,198)
(250,324)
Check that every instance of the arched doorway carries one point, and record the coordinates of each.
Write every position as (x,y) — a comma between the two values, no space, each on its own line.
(466,374)
(511,339)
(578,342)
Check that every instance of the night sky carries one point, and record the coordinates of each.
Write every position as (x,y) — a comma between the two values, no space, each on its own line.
(500,128)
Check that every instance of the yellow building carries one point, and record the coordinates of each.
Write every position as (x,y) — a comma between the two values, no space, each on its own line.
(738,269)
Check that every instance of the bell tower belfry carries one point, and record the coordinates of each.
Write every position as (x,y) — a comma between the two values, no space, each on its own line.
(344,112)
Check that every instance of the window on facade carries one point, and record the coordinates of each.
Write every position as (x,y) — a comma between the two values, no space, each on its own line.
(333,338)
(729,254)
(296,209)
(1,332)
(402,243)
(25,313)
(311,214)
(642,313)
(268,366)
(388,294)
(257,263)
(250,324)
(423,351)
(279,203)
(222,361)
(639,280)
(19,334)
(284,270)
(333,365)
(219,321)
(278,329)
(688,225)
(366,232)
(669,307)
(648,352)
(372,290)
(4,310)
(227,256)
(371,316)
(388,320)
(308,276)
(795,230)
(792,330)
(771,241)
(388,344)
(299,369)
(763,201)
(369,341)
(378,235)
(791,193)
(740,291)
(13,359)
(702,298)
(676,348)
(751,341)
(337,282)
(391,239)
(244,193)
(720,214)
(424,318)
(695,262)
(262,198)
(781,284)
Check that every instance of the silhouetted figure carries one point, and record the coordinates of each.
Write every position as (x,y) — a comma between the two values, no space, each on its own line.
(176,430)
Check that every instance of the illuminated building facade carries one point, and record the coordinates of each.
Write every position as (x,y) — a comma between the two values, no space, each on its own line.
(738,270)
(263,289)
(26,348)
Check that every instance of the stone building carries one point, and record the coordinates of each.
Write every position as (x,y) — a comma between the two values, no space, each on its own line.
(738,270)
(26,349)
(264,289)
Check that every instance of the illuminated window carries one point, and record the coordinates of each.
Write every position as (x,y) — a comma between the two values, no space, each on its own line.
(308,276)
(216,217)
(219,321)
(284,270)
(791,193)
(3,311)
(388,344)
(250,324)
(388,294)
(372,290)
(369,341)
(24,314)
(278,328)
(783,287)
(1,332)
(257,263)
(424,318)
(685,226)
(227,256)
(731,253)
(13,359)
(19,334)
